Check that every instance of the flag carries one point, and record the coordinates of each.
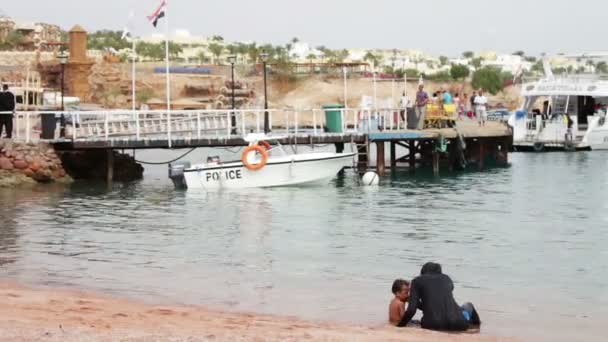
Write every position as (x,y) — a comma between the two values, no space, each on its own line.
(126,31)
(158,14)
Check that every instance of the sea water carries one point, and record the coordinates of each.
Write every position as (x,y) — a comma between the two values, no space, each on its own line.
(527,244)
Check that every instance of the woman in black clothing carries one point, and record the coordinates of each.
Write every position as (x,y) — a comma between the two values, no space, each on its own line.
(431,292)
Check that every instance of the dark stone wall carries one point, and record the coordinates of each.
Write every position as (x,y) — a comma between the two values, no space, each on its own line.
(92,165)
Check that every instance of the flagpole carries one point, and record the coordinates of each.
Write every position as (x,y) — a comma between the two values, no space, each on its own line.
(345,88)
(133,97)
(168,76)
(375,88)
(133,73)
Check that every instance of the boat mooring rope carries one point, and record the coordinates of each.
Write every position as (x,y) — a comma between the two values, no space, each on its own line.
(169,162)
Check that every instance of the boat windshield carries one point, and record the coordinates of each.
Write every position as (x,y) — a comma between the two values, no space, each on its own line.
(581,107)
(272,146)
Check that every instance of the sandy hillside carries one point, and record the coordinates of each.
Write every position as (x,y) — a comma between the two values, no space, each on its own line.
(305,92)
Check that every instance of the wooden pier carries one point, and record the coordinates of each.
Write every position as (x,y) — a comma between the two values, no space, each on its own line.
(449,148)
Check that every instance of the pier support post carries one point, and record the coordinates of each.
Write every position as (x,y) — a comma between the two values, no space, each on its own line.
(412,149)
(482,154)
(110,166)
(504,151)
(451,155)
(363,158)
(339,149)
(393,156)
(380,167)
(435,163)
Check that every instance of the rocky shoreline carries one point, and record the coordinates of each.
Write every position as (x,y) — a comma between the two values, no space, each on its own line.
(29,164)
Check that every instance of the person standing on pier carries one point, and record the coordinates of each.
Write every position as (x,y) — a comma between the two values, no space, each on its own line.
(422,99)
(447,97)
(472,104)
(404,104)
(481,103)
(7,104)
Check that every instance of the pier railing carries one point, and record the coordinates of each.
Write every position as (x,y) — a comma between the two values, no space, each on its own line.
(183,124)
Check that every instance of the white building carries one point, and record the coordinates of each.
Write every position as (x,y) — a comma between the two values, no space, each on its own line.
(301,53)
(509,63)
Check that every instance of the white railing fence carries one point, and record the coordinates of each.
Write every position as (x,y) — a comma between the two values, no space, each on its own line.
(127,124)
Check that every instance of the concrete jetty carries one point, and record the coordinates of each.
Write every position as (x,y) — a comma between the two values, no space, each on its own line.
(454,147)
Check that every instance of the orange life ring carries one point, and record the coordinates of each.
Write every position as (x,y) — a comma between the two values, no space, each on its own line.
(255,148)
(265,144)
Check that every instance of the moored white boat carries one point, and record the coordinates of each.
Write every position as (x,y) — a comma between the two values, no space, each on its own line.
(279,169)
(562,113)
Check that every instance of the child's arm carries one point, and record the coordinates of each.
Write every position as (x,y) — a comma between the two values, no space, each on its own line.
(396,311)
(401,310)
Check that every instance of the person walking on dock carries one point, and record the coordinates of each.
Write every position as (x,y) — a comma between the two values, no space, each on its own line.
(422,99)
(7,109)
(404,104)
(472,104)
(481,103)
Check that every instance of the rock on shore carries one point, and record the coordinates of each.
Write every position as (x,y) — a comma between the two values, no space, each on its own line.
(29,164)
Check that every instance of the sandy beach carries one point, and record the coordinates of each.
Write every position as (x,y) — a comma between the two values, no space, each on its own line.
(45,314)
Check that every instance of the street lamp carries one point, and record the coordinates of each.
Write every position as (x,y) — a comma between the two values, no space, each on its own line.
(264,57)
(63,60)
(232,60)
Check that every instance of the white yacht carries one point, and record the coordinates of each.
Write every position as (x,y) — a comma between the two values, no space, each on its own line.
(562,113)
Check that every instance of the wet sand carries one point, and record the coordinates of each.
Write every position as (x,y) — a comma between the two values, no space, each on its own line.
(45,314)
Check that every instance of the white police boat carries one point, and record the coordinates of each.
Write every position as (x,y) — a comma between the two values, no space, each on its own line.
(262,165)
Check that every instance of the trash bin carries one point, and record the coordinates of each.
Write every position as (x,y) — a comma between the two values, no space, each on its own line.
(333,118)
(49,123)
(412,119)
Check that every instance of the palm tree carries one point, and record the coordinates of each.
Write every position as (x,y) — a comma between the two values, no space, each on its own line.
(288,47)
(12,41)
(232,49)
(468,54)
(202,57)
(295,40)
(340,56)
(323,51)
(217,38)
(590,64)
(601,67)
(216,49)
(174,49)
(241,49)
(281,54)
(253,52)
(311,56)
(372,58)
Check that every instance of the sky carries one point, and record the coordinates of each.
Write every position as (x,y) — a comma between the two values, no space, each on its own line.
(445,27)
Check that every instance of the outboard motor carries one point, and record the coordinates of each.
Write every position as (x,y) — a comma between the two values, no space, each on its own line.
(176,173)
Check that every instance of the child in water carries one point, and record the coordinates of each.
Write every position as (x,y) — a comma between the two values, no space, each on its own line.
(401,290)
